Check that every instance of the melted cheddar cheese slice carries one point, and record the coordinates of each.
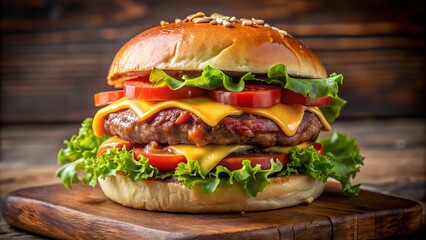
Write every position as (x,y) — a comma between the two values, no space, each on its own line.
(208,156)
(287,117)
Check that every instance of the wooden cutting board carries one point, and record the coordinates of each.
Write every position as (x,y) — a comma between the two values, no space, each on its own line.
(84,212)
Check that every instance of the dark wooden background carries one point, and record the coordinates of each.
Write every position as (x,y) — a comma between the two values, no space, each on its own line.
(55,54)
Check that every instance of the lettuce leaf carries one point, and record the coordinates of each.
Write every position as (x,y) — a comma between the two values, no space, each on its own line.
(251,179)
(108,164)
(314,88)
(80,154)
(79,148)
(83,145)
(347,161)
(68,172)
(341,162)
(308,161)
(332,112)
(212,78)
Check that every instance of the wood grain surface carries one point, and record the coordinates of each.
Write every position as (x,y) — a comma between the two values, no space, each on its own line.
(56,54)
(85,212)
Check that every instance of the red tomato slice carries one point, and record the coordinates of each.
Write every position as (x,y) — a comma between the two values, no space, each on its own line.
(319,148)
(264,160)
(252,96)
(105,98)
(289,97)
(163,161)
(115,142)
(147,91)
(235,162)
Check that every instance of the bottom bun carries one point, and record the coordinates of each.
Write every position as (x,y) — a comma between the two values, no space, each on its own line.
(175,197)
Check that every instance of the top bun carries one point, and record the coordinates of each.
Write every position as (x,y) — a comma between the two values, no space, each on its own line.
(188,46)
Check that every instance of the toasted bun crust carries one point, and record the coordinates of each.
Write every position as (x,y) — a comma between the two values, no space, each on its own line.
(174,197)
(189,46)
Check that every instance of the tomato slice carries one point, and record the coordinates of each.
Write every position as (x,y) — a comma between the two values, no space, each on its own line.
(136,89)
(319,148)
(264,160)
(252,96)
(289,97)
(105,98)
(163,161)
(115,142)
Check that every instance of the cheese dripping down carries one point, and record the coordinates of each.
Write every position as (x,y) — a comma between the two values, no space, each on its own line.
(287,117)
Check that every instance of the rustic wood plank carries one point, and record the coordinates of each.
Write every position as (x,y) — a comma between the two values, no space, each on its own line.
(370,215)
(359,225)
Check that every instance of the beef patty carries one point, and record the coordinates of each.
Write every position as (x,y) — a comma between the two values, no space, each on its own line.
(176,126)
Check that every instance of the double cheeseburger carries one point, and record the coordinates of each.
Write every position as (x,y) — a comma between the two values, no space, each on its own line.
(213,114)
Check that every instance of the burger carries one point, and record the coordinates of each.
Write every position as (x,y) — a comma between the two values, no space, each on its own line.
(213,114)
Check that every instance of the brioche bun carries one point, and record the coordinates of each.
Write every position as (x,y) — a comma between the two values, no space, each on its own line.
(157,195)
(189,46)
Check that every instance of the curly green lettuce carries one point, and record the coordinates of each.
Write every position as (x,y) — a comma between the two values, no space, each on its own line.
(332,112)
(342,161)
(81,146)
(347,160)
(212,78)
(79,158)
(251,179)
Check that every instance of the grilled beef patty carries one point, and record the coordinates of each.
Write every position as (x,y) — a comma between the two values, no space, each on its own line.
(176,126)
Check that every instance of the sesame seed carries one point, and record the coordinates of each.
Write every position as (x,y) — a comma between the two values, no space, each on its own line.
(275,29)
(226,23)
(247,23)
(163,23)
(216,15)
(282,32)
(196,15)
(201,20)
